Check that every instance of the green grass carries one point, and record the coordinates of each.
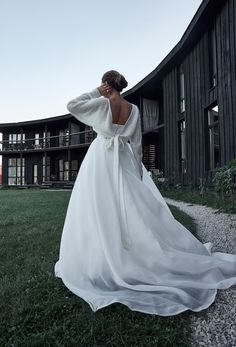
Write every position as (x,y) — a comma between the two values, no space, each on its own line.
(36,309)
(225,204)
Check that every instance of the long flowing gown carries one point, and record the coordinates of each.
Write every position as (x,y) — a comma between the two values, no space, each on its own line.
(120,241)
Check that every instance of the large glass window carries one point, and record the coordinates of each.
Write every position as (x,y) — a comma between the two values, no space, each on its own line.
(182,146)
(63,170)
(35,174)
(212,58)
(74,169)
(46,169)
(213,138)
(181,89)
(16,171)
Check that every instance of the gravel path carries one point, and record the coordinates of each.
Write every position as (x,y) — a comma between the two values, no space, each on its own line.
(215,326)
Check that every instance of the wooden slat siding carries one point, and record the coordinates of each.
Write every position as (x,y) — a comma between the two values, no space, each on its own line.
(206,98)
(165,128)
(197,115)
(168,124)
(190,118)
(201,92)
(232,25)
(195,118)
(230,78)
(170,117)
(220,90)
(201,108)
(228,81)
(187,119)
(224,68)
(174,117)
(175,126)
(169,127)
(205,70)
(223,94)
(166,98)
(234,76)
(233,54)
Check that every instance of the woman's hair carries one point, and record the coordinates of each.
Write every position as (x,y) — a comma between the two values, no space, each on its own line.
(115,80)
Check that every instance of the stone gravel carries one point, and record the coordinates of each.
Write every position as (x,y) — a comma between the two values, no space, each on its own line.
(215,326)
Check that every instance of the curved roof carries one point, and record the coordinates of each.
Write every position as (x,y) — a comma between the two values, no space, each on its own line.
(201,20)
(35,122)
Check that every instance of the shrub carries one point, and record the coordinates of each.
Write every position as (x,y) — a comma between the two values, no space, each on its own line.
(224,179)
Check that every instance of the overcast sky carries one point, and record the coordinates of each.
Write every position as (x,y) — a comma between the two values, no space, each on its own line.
(54,50)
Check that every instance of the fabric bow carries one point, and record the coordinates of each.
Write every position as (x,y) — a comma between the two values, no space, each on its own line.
(119,144)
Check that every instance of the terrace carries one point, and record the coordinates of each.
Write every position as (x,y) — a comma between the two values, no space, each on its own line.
(18,143)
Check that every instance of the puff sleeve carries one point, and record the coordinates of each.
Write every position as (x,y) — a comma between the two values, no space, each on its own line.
(88,107)
(136,145)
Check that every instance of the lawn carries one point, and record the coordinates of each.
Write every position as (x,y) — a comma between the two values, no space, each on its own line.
(36,309)
(226,204)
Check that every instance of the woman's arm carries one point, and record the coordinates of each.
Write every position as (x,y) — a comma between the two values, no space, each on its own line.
(89,107)
(85,105)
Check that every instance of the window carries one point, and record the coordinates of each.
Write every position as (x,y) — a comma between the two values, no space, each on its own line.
(181,89)
(150,114)
(74,169)
(149,156)
(35,174)
(15,140)
(46,139)
(64,137)
(88,134)
(213,139)
(36,141)
(212,58)
(16,171)
(182,146)
(46,169)
(63,170)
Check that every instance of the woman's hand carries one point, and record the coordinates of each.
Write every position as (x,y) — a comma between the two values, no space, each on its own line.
(105,89)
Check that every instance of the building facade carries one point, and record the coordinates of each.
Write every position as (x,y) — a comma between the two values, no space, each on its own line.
(188,102)
(187,106)
(46,151)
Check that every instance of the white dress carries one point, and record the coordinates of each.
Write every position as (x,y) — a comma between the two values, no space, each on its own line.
(120,241)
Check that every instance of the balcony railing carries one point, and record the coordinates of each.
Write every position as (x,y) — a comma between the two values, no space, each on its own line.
(43,143)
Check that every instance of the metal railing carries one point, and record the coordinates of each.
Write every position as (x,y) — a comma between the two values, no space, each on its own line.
(55,141)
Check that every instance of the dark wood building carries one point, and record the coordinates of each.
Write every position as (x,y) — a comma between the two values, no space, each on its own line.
(188,110)
(188,102)
(47,151)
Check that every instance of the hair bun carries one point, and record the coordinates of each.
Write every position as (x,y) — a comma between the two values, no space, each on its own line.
(115,80)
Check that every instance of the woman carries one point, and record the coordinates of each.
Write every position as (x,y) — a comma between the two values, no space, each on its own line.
(120,241)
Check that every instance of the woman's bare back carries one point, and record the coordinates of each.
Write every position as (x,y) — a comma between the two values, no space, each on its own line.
(120,110)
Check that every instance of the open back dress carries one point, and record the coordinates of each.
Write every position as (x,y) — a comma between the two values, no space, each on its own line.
(120,241)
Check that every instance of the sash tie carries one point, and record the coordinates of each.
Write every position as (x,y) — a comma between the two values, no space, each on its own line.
(118,143)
